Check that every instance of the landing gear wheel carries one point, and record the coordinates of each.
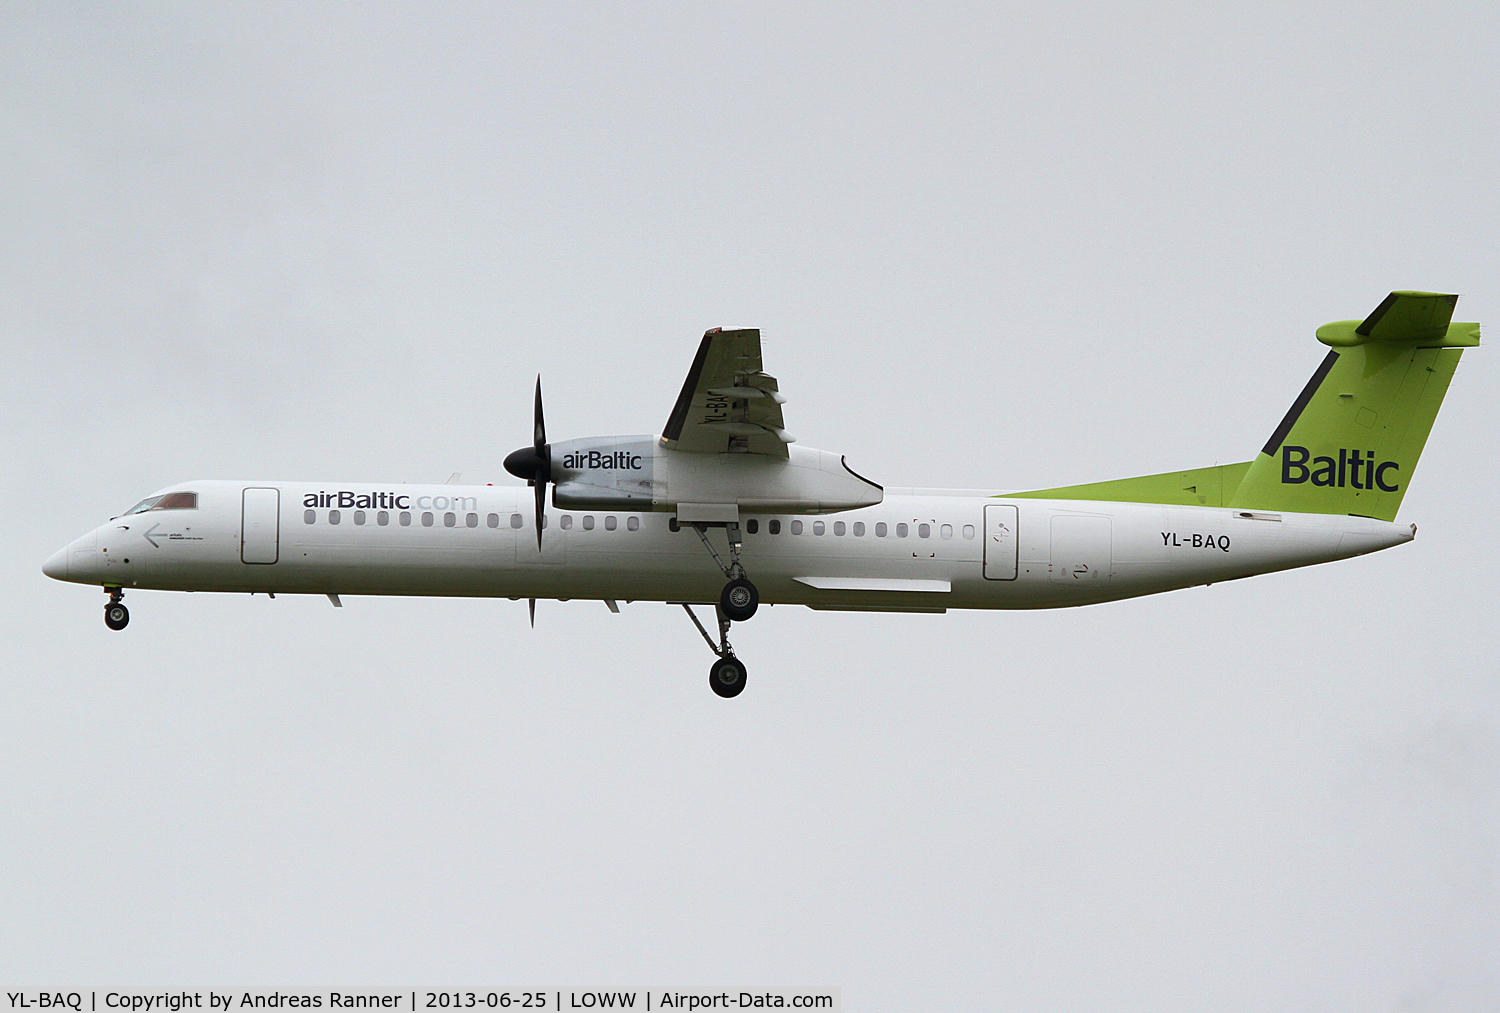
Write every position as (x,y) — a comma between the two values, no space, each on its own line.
(116,616)
(739,600)
(727,677)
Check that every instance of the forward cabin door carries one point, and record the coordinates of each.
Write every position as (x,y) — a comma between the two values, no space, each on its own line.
(260,525)
(1000,541)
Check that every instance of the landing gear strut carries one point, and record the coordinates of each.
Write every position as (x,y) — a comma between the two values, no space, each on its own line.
(727,676)
(739,599)
(116,615)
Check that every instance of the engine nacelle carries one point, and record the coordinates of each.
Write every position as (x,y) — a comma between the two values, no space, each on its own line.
(605,473)
(638,473)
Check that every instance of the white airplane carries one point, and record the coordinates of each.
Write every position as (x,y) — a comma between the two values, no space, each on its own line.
(723,493)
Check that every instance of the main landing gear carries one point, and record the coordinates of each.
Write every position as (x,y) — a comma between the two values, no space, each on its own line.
(739,599)
(116,615)
(737,602)
(727,676)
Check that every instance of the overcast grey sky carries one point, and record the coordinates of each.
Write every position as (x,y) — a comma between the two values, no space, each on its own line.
(987,246)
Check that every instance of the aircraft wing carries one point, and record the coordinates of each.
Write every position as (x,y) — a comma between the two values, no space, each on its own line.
(728,403)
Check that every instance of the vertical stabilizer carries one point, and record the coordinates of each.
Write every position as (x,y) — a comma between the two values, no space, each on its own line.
(1350,442)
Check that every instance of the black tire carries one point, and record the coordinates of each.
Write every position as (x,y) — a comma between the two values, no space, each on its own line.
(739,600)
(727,677)
(116,616)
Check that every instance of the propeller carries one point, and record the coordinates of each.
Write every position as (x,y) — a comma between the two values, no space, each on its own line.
(534,463)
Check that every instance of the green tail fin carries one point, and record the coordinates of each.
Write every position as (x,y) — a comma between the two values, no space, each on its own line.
(1350,443)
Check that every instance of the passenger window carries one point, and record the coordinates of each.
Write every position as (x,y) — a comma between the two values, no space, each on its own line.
(880,529)
(818,527)
(633,523)
(774,527)
(968,531)
(752,526)
(427,519)
(946,531)
(359,517)
(859,528)
(515,520)
(588,522)
(796,527)
(406,518)
(492,520)
(309,516)
(567,522)
(838,527)
(901,530)
(383,518)
(672,524)
(449,520)
(472,520)
(924,530)
(333,516)
(610,524)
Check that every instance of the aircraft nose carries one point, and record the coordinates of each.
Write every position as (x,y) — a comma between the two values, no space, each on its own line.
(56,565)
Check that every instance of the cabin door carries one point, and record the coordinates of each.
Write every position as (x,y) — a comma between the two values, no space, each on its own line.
(1081,551)
(999,541)
(260,525)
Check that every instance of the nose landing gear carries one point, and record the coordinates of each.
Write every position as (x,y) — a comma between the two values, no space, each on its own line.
(116,615)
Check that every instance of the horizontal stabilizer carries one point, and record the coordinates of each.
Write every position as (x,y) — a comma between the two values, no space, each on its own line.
(1421,319)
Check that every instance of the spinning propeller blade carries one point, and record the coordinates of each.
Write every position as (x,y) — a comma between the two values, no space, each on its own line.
(534,463)
(539,432)
(543,471)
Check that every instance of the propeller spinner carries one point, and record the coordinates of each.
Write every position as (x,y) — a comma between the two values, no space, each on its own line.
(534,463)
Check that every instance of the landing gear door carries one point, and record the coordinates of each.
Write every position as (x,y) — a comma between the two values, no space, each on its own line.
(1000,541)
(260,525)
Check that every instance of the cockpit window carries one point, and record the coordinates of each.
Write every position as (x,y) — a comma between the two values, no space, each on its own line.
(171,501)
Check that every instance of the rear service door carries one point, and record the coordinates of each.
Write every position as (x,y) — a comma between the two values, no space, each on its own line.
(999,541)
(260,525)
(1081,549)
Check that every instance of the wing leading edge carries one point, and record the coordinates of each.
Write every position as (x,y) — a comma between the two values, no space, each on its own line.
(728,403)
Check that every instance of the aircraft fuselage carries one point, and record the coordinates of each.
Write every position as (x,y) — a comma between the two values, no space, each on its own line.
(917,550)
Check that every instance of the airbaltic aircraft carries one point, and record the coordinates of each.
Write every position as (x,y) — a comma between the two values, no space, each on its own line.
(724,491)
